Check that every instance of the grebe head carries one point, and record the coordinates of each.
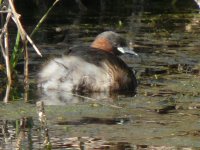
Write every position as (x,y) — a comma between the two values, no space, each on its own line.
(112,42)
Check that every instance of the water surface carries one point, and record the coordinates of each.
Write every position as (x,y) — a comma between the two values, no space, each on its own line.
(164,114)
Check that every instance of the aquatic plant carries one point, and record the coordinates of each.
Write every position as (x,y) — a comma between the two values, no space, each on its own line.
(9,13)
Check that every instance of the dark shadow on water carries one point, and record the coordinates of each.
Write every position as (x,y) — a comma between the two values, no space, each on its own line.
(93,120)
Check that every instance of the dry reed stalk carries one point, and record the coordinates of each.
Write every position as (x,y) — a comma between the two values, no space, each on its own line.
(5,48)
(24,37)
(11,13)
(7,95)
(23,34)
(43,123)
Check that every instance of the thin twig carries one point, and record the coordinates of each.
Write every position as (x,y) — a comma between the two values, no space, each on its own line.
(4,11)
(7,59)
(33,45)
(3,30)
(5,52)
(5,49)
(24,35)
(94,100)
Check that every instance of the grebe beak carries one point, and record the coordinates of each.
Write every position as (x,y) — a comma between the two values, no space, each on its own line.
(127,50)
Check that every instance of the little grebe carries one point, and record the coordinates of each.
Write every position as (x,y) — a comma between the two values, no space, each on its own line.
(91,69)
